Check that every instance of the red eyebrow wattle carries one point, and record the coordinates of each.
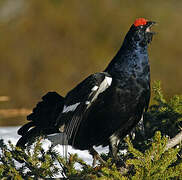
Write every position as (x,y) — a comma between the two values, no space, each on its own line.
(140,22)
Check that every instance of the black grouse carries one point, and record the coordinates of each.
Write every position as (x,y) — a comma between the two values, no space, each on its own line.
(103,108)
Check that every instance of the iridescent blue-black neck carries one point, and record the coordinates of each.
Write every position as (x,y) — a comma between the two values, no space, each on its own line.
(132,58)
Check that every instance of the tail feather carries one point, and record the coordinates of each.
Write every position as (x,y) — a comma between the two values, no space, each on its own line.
(29,137)
(46,112)
(42,119)
(58,138)
(22,131)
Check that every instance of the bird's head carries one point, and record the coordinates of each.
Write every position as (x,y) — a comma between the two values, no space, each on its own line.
(140,32)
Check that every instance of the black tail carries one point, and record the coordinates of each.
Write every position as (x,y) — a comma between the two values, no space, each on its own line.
(42,119)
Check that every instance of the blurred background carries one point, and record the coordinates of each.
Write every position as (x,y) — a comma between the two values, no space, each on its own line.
(51,45)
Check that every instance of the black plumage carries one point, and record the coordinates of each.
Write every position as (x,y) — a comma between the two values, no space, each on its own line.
(106,106)
(42,119)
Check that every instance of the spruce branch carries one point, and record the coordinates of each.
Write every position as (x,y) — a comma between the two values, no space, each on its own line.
(174,141)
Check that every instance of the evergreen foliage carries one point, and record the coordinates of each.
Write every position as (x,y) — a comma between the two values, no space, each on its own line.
(146,156)
(19,164)
(164,116)
(155,162)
